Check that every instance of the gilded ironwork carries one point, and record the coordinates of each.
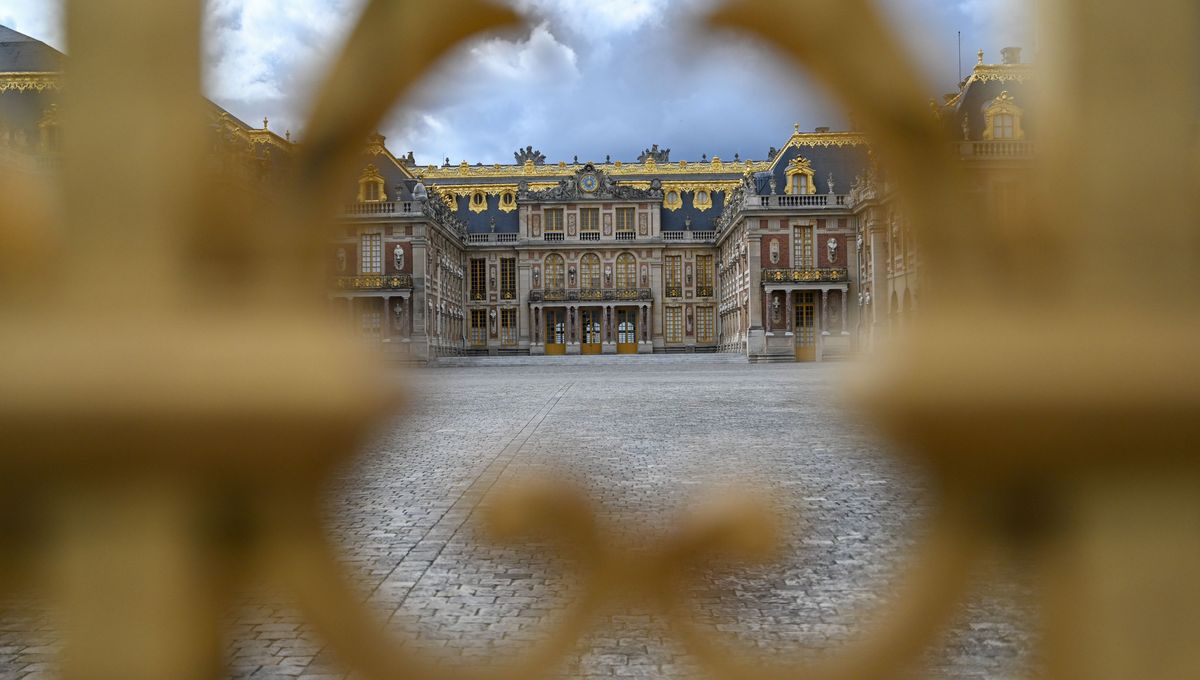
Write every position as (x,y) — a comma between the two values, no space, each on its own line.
(176,446)
(375,282)
(804,275)
(30,81)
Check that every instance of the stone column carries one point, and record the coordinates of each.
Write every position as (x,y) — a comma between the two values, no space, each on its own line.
(824,311)
(385,319)
(789,310)
(845,294)
(524,322)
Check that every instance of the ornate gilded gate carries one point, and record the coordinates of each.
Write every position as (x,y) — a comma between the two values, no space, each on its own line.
(1054,395)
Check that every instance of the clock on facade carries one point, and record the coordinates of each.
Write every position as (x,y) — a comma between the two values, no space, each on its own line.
(588,182)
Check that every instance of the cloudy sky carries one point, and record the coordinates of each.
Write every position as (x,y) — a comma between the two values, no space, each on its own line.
(589,78)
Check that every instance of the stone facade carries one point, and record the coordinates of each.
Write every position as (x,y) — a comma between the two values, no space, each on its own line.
(803,256)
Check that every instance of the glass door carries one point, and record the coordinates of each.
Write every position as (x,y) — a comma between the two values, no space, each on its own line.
(590,328)
(627,331)
(806,326)
(556,331)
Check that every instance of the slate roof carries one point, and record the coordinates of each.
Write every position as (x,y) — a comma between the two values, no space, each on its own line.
(20,53)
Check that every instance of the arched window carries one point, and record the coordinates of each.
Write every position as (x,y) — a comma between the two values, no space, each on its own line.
(554,271)
(1003,119)
(589,271)
(626,271)
(370,186)
(800,177)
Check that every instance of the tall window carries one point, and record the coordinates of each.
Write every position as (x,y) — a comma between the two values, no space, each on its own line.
(626,271)
(799,184)
(705,324)
(625,219)
(589,271)
(554,219)
(370,248)
(704,275)
(371,320)
(508,326)
(589,219)
(674,323)
(554,271)
(1003,127)
(674,276)
(508,278)
(802,247)
(478,326)
(478,279)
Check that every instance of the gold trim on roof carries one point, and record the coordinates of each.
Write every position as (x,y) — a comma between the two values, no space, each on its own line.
(37,81)
(616,168)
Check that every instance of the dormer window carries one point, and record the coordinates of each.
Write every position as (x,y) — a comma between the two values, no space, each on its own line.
(478,202)
(672,200)
(702,199)
(1003,119)
(800,177)
(370,186)
(508,201)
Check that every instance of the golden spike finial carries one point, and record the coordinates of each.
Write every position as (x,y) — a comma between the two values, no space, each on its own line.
(981,56)
(288,135)
(265,126)
(796,128)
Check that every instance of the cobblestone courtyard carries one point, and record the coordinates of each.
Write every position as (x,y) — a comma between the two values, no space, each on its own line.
(648,439)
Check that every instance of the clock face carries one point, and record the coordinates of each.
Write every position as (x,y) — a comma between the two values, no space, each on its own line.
(588,182)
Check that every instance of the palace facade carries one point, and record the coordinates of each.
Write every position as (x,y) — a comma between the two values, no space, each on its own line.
(803,255)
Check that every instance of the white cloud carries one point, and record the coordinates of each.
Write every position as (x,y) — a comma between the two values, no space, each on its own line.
(41,19)
(591,77)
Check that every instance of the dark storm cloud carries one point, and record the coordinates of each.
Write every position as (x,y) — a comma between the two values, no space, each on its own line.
(588,78)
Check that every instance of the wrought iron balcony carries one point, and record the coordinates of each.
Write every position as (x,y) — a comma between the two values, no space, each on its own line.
(590,294)
(805,275)
(674,291)
(704,291)
(375,282)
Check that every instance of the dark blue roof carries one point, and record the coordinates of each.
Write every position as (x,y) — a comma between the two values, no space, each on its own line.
(20,53)
(846,163)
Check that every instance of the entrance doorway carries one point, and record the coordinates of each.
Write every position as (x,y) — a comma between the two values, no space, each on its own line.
(627,331)
(590,330)
(556,331)
(806,326)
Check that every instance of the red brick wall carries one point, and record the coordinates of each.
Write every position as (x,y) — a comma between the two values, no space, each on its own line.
(389,257)
(823,251)
(784,251)
(351,260)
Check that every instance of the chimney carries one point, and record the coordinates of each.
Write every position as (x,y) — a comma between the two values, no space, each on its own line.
(822,130)
(1010,55)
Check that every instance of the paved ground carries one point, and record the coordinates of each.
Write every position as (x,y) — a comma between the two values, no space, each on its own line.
(648,440)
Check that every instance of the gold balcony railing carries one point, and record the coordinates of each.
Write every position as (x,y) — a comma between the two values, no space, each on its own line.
(805,276)
(590,294)
(375,282)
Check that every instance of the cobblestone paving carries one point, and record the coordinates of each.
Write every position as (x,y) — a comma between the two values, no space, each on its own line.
(647,441)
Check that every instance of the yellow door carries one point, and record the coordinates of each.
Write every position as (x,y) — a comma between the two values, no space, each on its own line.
(556,331)
(627,331)
(806,326)
(590,331)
